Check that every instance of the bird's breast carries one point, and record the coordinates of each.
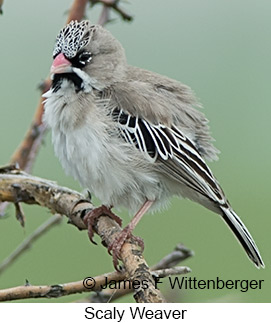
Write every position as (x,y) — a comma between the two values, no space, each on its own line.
(94,153)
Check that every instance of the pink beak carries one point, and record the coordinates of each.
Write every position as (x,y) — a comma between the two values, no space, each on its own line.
(61,65)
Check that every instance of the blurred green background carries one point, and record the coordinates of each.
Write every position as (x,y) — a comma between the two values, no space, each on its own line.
(219,48)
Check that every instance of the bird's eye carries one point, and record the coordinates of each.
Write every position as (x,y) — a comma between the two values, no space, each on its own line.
(84,58)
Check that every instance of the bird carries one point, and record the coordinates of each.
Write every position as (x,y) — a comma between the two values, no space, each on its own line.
(132,137)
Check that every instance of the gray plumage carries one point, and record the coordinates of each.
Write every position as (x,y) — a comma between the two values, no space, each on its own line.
(130,135)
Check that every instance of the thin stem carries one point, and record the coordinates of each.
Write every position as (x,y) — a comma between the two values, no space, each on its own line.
(26,244)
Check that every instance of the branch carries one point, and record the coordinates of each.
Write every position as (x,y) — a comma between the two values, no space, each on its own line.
(29,291)
(134,263)
(77,10)
(104,16)
(1,5)
(19,186)
(26,244)
(114,4)
(179,254)
(89,284)
(165,267)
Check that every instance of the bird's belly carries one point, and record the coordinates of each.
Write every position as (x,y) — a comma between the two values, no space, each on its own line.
(107,167)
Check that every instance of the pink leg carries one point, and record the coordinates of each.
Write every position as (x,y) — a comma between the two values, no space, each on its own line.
(117,244)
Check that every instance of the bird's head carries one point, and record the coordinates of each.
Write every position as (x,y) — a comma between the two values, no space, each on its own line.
(87,56)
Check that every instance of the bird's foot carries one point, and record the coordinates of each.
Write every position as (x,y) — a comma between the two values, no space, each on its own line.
(114,248)
(91,217)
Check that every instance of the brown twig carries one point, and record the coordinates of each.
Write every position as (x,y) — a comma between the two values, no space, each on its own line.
(134,263)
(77,10)
(29,291)
(1,5)
(179,254)
(104,16)
(165,266)
(89,284)
(17,185)
(26,244)
(112,4)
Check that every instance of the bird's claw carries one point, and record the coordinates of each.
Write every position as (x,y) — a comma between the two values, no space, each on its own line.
(91,217)
(115,247)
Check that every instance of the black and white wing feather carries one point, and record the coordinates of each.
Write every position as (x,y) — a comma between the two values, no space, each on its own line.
(180,159)
(178,154)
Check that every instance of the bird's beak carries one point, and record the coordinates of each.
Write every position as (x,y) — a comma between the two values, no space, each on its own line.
(61,65)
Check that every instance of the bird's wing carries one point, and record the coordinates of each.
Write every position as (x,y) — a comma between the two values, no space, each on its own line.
(162,100)
(167,146)
(175,154)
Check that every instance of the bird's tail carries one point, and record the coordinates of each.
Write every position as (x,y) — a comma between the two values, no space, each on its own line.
(242,234)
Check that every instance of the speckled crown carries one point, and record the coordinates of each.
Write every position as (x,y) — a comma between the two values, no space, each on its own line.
(72,38)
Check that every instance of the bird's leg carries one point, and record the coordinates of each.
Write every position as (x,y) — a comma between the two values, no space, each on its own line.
(91,217)
(116,245)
